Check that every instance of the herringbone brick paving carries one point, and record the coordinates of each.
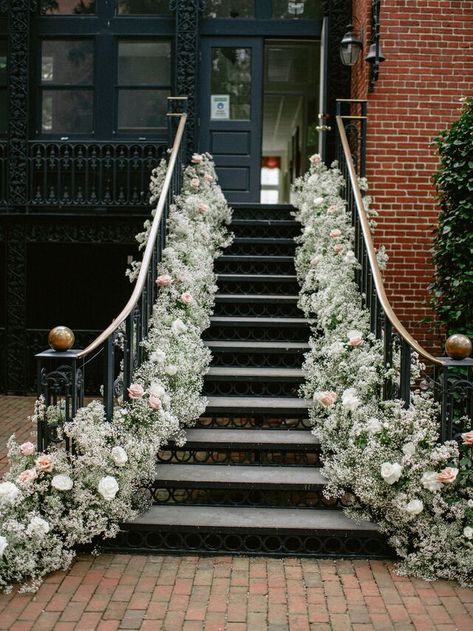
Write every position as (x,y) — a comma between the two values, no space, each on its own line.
(116,591)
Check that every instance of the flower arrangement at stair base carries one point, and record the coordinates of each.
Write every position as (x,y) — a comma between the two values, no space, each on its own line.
(49,503)
(419,491)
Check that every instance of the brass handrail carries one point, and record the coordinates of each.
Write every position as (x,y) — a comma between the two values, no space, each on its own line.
(148,253)
(376,272)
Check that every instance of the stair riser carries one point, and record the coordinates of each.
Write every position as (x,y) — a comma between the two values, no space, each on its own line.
(248,309)
(249,388)
(250,543)
(258,333)
(273,214)
(261,249)
(257,360)
(273,231)
(223,266)
(281,287)
(257,421)
(255,456)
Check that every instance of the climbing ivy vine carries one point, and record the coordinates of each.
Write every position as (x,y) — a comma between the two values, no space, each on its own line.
(452,289)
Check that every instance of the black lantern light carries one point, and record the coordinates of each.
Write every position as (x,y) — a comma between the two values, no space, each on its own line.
(350,47)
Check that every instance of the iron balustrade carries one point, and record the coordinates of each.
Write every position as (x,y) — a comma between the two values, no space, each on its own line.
(61,375)
(3,173)
(85,174)
(451,381)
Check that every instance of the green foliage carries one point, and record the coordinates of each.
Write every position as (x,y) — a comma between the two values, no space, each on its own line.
(452,289)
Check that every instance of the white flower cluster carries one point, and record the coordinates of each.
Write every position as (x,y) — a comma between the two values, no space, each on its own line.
(49,503)
(388,457)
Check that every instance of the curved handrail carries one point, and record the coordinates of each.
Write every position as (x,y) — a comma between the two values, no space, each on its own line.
(376,272)
(148,253)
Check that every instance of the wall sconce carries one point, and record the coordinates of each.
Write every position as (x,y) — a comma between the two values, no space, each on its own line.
(351,46)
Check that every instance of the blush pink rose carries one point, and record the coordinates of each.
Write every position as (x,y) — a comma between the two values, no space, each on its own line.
(29,475)
(447,475)
(136,391)
(338,247)
(326,398)
(355,338)
(27,449)
(315,159)
(202,208)
(331,210)
(197,158)
(164,280)
(154,403)
(336,233)
(468,438)
(186,298)
(44,464)
(195,183)
(208,178)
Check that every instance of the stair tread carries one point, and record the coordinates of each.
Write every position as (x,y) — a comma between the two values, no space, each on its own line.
(268,373)
(273,403)
(257,277)
(253,436)
(263,321)
(234,475)
(245,517)
(252,346)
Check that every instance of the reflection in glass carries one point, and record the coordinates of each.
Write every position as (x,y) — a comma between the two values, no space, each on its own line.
(144,62)
(143,7)
(67,7)
(67,62)
(230,9)
(231,76)
(67,111)
(303,9)
(142,110)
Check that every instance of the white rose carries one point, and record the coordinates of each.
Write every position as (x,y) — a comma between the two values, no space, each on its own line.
(178,327)
(108,487)
(119,456)
(470,503)
(414,507)
(37,527)
(467,532)
(3,545)
(373,425)
(62,482)
(157,390)
(429,481)
(409,449)
(318,201)
(391,472)
(158,356)
(171,370)
(350,400)
(8,492)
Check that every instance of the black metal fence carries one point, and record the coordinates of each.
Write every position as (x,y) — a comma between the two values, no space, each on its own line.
(61,374)
(450,380)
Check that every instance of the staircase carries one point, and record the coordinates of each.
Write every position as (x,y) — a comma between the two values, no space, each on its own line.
(249,479)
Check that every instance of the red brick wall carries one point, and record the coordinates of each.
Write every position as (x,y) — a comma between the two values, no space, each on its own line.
(429,66)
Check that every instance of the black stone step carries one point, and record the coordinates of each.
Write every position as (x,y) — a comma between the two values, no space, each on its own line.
(254,305)
(262,211)
(257,354)
(258,284)
(262,329)
(242,439)
(296,420)
(274,228)
(260,405)
(251,531)
(248,381)
(255,374)
(242,264)
(262,246)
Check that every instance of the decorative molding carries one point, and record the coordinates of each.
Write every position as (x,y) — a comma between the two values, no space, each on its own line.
(19,30)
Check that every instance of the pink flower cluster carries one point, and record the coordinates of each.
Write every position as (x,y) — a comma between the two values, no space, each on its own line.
(164,280)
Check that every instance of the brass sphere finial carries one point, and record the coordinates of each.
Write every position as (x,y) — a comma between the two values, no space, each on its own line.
(61,338)
(458,346)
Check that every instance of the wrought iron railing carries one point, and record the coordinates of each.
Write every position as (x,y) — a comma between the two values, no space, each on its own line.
(61,374)
(91,174)
(3,172)
(451,380)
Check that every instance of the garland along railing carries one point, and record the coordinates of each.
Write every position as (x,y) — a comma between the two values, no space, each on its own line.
(451,380)
(61,374)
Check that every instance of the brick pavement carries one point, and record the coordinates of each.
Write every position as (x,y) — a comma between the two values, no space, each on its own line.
(191,593)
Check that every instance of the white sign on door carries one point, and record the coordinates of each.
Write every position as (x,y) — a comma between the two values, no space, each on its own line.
(220,106)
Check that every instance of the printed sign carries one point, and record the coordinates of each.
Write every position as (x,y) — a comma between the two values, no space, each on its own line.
(220,106)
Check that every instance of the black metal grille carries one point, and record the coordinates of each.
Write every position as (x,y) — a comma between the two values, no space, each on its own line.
(272,230)
(248,457)
(263,421)
(261,249)
(261,334)
(251,388)
(281,287)
(223,266)
(271,310)
(258,360)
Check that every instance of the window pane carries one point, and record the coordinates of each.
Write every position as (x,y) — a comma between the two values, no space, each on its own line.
(231,83)
(142,110)
(230,9)
(67,111)
(67,7)
(3,62)
(304,9)
(143,7)
(3,111)
(144,63)
(67,62)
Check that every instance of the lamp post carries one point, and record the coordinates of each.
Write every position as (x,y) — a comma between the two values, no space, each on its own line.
(350,47)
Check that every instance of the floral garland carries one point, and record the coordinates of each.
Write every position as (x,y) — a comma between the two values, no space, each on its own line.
(52,502)
(387,459)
